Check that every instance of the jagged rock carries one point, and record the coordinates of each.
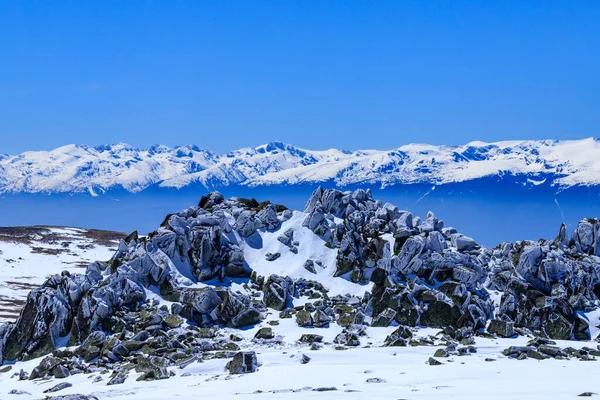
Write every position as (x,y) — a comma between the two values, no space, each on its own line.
(243,362)
(19,392)
(433,361)
(558,327)
(247,317)
(198,302)
(237,310)
(399,337)
(287,237)
(60,372)
(277,291)
(268,217)
(410,251)
(245,224)
(536,355)
(433,276)
(562,236)
(549,350)
(347,338)
(384,318)
(462,242)
(440,353)
(304,359)
(119,376)
(47,315)
(264,333)
(583,236)
(211,200)
(514,351)
(60,386)
(172,321)
(321,319)
(132,345)
(272,256)
(303,318)
(311,338)
(309,265)
(439,313)
(501,328)
(152,368)
(581,329)
(91,347)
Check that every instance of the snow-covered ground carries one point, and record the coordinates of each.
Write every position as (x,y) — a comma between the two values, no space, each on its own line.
(310,246)
(29,254)
(363,373)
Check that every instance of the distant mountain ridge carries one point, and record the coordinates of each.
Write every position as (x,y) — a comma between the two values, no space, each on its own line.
(81,168)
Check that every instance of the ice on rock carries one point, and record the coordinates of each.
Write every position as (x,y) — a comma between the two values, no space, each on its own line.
(462,242)
(245,224)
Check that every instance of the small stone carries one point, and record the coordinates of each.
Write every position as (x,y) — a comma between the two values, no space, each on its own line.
(325,389)
(172,321)
(440,353)
(433,361)
(264,333)
(19,392)
(235,338)
(536,355)
(60,386)
(376,380)
(311,338)
(231,346)
(552,351)
(303,318)
(309,265)
(119,376)
(272,256)
(60,372)
(304,359)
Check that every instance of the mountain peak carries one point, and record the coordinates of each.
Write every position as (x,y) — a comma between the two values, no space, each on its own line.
(75,168)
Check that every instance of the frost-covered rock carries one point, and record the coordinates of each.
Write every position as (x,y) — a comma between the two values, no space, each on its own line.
(501,328)
(244,362)
(422,274)
(46,317)
(277,292)
(462,242)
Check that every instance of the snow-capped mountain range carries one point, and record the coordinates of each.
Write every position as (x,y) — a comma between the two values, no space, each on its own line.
(81,168)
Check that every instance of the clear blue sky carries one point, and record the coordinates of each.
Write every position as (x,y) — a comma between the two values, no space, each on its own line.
(318,74)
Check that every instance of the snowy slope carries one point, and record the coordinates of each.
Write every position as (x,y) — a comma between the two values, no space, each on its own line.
(310,246)
(80,168)
(394,373)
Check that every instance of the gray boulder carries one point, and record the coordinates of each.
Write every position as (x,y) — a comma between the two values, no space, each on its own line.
(244,362)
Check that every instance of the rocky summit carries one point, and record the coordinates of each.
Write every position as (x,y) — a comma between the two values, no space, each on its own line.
(185,293)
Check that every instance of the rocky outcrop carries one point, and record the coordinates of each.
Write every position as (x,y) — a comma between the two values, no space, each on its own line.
(422,274)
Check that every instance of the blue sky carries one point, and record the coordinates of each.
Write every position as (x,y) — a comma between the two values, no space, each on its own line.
(318,74)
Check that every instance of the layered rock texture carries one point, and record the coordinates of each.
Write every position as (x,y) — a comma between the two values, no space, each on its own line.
(164,300)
